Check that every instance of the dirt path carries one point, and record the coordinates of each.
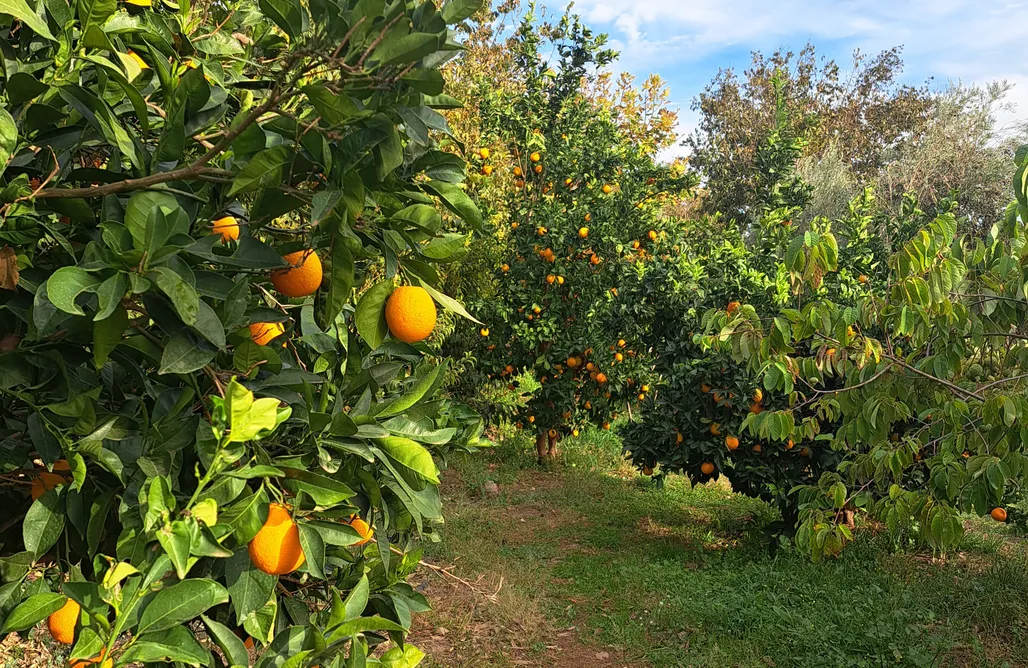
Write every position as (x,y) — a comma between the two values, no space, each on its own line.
(503,616)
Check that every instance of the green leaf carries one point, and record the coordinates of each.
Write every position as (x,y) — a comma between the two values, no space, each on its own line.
(21,11)
(174,644)
(228,642)
(263,171)
(250,418)
(248,587)
(287,15)
(138,213)
(410,454)
(444,248)
(313,549)
(33,610)
(324,490)
(456,11)
(43,523)
(457,201)
(362,625)
(397,49)
(448,303)
(175,539)
(406,401)
(340,286)
(66,284)
(183,354)
(407,656)
(370,315)
(357,599)
(8,137)
(107,334)
(180,603)
(183,296)
(95,12)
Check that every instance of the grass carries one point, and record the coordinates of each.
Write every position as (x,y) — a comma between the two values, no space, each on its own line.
(684,576)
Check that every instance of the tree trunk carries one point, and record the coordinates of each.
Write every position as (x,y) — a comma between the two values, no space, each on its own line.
(540,446)
(552,453)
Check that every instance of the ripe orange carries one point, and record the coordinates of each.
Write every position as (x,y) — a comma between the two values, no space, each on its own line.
(619,357)
(262,333)
(505,268)
(678,437)
(805,452)
(645,388)
(575,432)
(62,623)
(484,331)
(567,181)
(647,470)
(410,313)
(538,169)
(595,259)
(715,429)
(531,419)
(588,406)
(572,362)
(535,157)
(520,183)
(758,395)
(363,528)
(487,170)
(652,234)
(536,309)
(999,514)
(551,279)
(276,548)
(590,367)
(583,232)
(756,408)
(518,172)
(733,307)
(86,663)
(227,227)
(642,397)
(606,189)
(509,369)
(483,153)
(862,278)
(732,442)
(303,276)
(552,433)
(707,468)
(635,245)
(789,444)
(621,343)
(601,378)
(756,448)
(588,217)
(606,425)
(560,280)
(705,388)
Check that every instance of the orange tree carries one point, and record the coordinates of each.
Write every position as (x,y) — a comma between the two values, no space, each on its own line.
(715,271)
(924,376)
(203,428)
(578,221)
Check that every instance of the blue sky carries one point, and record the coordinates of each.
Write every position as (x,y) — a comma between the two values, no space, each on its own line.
(686,41)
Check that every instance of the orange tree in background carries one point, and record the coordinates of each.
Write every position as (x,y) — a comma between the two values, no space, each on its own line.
(579,220)
(202,425)
(693,422)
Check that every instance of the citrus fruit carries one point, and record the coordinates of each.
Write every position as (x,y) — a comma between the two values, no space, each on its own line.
(87,663)
(715,429)
(227,227)
(733,307)
(758,395)
(62,623)
(652,234)
(484,331)
(263,333)
(505,268)
(583,232)
(518,172)
(732,442)
(647,470)
(363,528)
(606,189)
(707,468)
(276,549)
(999,514)
(535,157)
(483,153)
(410,313)
(487,170)
(302,278)
(862,278)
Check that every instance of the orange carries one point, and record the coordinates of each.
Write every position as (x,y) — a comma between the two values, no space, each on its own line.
(551,279)
(363,528)
(758,395)
(606,425)
(227,227)
(560,280)
(733,307)
(804,452)
(621,343)
(635,245)
(483,153)
(536,309)
(642,397)
(62,623)
(863,278)
(647,470)
(505,268)
(715,429)
(789,444)
(541,231)
(588,405)
(590,367)
(707,468)
(303,276)
(583,232)
(484,331)
(538,169)
(572,362)
(652,234)
(574,432)
(531,419)
(552,433)
(601,378)
(509,369)
(518,172)
(999,514)
(619,357)
(595,259)
(645,388)
(276,548)
(756,408)
(535,157)
(732,442)
(705,388)
(262,333)
(678,437)
(757,448)
(606,189)
(44,482)
(850,332)
(487,170)
(410,313)
(588,217)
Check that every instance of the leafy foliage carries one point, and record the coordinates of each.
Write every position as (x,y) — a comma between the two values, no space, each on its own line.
(153,430)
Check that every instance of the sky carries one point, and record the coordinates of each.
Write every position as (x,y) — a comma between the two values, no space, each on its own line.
(687,41)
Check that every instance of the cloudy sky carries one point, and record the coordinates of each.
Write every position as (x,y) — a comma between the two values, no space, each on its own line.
(686,41)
